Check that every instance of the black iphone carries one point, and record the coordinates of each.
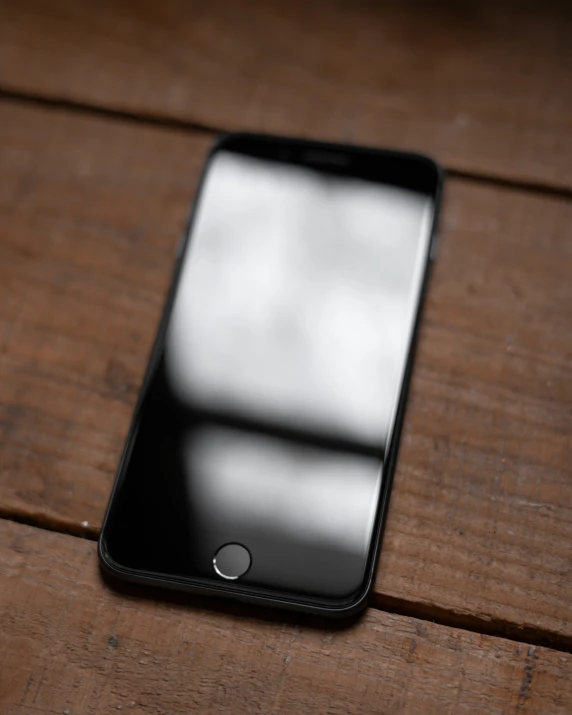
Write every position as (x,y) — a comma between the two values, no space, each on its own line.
(259,461)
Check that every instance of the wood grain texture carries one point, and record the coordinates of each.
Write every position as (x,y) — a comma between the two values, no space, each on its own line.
(485,86)
(71,645)
(480,519)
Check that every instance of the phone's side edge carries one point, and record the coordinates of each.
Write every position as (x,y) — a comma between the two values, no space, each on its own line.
(156,349)
(392,452)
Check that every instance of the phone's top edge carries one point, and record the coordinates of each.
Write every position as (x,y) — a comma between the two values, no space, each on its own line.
(226,139)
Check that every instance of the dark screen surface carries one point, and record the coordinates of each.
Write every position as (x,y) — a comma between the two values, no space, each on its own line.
(272,397)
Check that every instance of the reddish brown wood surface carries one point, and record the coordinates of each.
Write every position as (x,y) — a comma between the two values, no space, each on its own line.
(486,86)
(77,647)
(480,520)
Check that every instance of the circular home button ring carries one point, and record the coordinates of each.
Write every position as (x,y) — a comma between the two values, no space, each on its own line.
(232,561)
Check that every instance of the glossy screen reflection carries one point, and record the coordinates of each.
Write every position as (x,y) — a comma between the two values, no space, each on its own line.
(296,298)
(266,420)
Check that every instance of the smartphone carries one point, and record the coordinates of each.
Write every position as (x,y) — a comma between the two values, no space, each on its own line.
(259,461)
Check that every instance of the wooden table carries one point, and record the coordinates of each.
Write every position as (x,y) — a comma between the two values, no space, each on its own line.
(106,112)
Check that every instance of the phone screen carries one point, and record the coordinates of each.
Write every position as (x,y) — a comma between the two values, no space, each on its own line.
(268,412)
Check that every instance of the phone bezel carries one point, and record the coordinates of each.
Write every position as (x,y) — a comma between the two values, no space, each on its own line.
(408,170)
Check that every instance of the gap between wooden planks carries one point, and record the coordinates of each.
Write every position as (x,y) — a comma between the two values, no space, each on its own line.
(485,86)
(76,646)
(479,524)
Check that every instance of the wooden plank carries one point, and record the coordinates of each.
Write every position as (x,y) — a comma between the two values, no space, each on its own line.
(72,645)
(480,520)
(485,86)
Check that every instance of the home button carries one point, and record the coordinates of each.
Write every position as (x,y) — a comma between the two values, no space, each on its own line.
(232,561)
